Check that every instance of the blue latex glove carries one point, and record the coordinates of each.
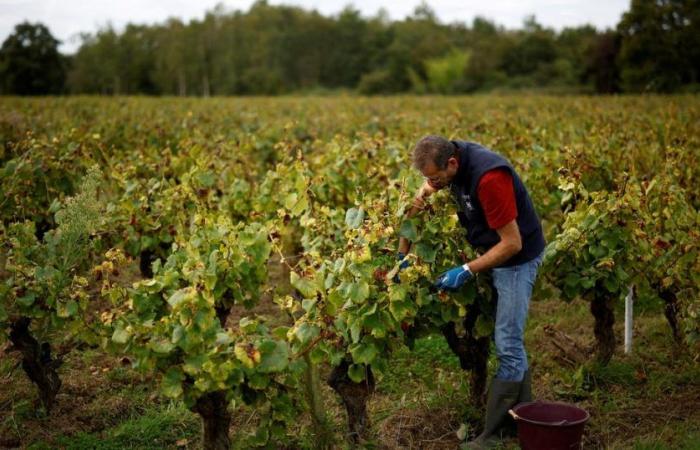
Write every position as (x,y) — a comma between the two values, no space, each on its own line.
(404,264)
(454,278)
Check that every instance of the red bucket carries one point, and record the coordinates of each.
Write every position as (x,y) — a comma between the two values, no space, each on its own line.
(549,425)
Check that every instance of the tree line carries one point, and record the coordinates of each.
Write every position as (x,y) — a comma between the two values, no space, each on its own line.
(273,50)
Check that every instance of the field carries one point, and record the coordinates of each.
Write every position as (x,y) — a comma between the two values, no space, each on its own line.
(172,259)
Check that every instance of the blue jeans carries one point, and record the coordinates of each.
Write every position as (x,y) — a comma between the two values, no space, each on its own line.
(514,288)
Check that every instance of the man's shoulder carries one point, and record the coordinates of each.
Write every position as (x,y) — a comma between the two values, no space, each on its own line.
(497,175)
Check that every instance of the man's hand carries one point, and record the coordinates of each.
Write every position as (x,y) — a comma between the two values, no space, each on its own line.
(404,262)
(402,265)
(454,278)
(425,191)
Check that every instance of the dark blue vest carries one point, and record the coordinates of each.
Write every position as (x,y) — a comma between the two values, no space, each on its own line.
(474,161)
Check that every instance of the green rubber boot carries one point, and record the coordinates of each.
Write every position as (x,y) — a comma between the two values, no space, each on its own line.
(503,395)
(525,394)
(510,428)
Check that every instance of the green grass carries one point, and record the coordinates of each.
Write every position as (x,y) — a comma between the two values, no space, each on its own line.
(155,429)
(429,355)
(680,440)
(428,375)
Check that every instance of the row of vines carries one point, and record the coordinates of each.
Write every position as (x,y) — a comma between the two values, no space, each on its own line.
(218,204)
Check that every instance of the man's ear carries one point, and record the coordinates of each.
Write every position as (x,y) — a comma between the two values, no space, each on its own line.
(453,163)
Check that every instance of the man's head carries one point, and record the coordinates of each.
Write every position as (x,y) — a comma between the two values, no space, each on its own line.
(436,158)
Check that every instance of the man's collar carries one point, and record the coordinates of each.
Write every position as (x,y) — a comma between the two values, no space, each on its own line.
(461,158)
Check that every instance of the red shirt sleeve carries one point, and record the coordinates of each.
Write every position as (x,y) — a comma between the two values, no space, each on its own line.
(497,197)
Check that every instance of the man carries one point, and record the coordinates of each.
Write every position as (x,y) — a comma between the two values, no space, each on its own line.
(501,223)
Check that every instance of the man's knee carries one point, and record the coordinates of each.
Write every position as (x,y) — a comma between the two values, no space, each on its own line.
(512,364)
(506,339)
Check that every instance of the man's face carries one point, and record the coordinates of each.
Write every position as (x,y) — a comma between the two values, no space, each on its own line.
(440,178)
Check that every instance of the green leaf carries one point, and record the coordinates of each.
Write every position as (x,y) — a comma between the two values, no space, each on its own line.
(355,331)
(426,252)
(290,200)
(300,206)
(120,336)
(193,364)
(354,217)
(308,303)
(570,291)
(317,355)
(258,381)
(408,230)
(333,302)
(356,372)
(275,356)
(400,309)
(71,308)
(27,300)
(206,179)
(280,332)
(484,326)
(367,310)
(587,283)
(295,203)
(357,292)
(375,325)
(572,279)
(612,284)
(45,275)
(172,383)
(611,241)
(161,346)
(364,353)
(305,286)
(241,352)
(621,274)
(223,338)
(10,168)
(330,280)
(398,292)
(306,332)
(178,297)
(598,251)
(178,334)
(248,325)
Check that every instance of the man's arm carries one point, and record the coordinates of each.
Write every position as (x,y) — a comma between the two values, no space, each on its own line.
(424,192)
(510,245)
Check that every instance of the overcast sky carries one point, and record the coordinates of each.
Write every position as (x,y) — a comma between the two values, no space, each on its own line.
(67,18)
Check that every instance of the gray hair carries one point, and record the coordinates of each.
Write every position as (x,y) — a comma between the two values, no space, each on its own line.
(435,149)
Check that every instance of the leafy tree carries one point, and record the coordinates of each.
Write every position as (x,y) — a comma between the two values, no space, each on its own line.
(445,74)
(487,44)
(30,63)
(660,48)
(273,49)
(352,49)
(531,52)
(96,65)
(573,45)
(601,66)
(170,68)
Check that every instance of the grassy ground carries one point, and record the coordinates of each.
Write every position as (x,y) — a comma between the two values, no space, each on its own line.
(647,400)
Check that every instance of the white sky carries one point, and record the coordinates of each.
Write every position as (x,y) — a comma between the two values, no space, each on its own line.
(67,18)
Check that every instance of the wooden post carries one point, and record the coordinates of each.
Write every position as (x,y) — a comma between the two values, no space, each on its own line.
(629,306)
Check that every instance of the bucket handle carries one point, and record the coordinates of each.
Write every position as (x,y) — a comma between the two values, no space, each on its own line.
(516,417)
(513,414)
